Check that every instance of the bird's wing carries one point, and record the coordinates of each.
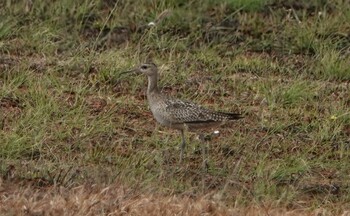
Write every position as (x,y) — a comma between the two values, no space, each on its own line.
(186,112)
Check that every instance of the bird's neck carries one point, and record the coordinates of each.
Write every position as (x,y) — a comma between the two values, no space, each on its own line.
(152,84)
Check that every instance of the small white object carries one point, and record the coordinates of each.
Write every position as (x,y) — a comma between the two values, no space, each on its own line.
(216,132)
(152,24)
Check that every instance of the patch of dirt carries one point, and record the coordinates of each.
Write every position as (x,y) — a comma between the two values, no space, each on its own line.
(10,107)
(38,64)
(96,104)
(10,102)
(311,7)
(7,62)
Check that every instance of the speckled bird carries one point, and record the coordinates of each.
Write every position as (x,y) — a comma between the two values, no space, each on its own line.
(179,114)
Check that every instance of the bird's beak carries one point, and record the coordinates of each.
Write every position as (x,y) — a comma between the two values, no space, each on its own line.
(129,71)
(133,71)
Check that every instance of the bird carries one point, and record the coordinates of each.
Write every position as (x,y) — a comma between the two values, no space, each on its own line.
(178,114)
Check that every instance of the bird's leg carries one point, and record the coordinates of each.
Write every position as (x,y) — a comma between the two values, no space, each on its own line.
(183,145)
(204,152)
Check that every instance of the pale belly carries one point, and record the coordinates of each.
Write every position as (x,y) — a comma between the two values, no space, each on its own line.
(161,119)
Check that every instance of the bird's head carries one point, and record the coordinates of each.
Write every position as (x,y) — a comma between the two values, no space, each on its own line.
(149,69)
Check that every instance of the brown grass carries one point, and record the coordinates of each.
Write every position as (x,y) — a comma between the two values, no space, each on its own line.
(115,199)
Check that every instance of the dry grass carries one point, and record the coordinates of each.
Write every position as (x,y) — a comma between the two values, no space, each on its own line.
(115,199)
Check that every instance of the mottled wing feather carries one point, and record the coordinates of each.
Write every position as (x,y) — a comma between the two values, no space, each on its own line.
(188,112)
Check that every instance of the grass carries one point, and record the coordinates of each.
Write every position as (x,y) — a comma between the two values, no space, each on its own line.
(73,128)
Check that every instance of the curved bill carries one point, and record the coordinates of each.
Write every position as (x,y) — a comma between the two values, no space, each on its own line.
(129,71)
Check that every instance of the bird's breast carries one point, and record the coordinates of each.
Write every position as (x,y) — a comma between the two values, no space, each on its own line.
(158,114)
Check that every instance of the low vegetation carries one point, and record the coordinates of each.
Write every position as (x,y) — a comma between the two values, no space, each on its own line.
(77,137)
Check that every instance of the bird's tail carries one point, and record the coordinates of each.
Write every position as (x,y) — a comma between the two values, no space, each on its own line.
(232,116)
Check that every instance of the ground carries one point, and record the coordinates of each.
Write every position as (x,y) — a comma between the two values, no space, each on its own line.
(77,137)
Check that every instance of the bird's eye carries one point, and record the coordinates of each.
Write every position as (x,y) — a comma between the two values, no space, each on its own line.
(144,67)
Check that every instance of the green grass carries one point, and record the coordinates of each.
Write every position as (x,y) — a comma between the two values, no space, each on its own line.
(67,116)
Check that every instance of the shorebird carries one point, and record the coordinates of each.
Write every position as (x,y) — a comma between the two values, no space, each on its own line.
(179,114)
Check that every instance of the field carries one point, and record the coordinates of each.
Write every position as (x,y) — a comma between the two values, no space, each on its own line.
(77,136)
